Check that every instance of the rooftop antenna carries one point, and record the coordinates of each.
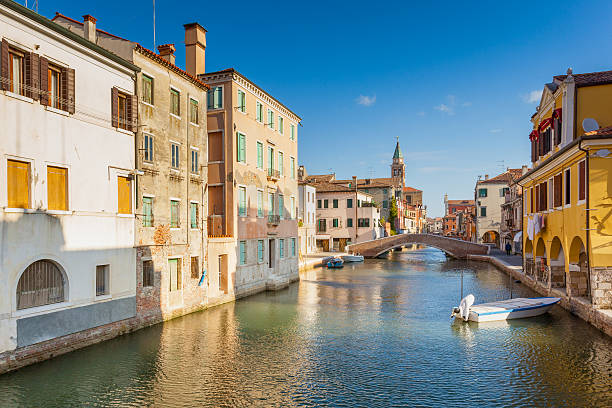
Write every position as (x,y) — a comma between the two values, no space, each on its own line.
(502,164)
(34,5)
(154,43)
(371,171)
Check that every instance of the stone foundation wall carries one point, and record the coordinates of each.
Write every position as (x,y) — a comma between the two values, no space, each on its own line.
(601,284)
(557,276)
(578,285)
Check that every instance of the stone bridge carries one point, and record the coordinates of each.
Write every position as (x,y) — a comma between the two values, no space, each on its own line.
(454,247)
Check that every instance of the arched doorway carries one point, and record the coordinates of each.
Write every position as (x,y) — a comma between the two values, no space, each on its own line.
(491,237)
(541,266)
(528,268)
(42,283)
(557,264)
(578,270)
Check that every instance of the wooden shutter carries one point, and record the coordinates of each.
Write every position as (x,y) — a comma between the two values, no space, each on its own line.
(69,80)
(18,184)
(63,89)
(124,190)
(581,181)
(115,107)
(4,66)
(44,81)
(132,112)
(35,76)
(56,188)
(533,151)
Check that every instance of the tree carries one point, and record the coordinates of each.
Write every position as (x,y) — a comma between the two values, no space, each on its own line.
(393,215)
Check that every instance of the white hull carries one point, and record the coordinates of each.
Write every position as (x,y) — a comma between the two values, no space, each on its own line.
(518,308)
(352,258)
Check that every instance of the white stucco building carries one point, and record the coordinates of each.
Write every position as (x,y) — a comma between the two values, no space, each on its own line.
(67,257)
(307,216)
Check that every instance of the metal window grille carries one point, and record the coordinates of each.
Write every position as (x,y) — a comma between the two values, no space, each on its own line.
(102,280)
(42,283)
(195,267)
(147,273)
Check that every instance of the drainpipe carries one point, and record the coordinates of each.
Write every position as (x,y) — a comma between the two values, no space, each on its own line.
(587,205)
(356,205)
(188,174)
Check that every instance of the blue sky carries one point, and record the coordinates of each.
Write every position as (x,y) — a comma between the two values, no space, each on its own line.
(456,81)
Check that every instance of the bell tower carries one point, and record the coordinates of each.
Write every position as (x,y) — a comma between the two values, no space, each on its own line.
(398,168)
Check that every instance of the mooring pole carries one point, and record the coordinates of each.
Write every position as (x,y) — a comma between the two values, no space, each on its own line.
(461,285)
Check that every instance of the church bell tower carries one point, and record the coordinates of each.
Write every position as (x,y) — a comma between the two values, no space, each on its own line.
(398,168)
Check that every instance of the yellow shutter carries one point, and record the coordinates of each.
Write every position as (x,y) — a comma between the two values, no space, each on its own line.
(56,188)
(124,189)
(18,184)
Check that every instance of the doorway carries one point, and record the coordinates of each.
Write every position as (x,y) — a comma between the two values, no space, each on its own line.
(271,248)
(223,273)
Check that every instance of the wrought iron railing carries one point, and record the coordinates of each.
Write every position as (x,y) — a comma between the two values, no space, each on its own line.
(273,174)
(273,219)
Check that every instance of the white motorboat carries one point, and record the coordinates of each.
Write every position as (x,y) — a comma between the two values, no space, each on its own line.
(518,308)
(352,258)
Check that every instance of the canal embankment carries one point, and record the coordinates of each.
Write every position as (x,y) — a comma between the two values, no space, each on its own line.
(581,307)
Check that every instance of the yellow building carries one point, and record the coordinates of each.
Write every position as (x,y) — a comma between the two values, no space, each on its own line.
(567,200)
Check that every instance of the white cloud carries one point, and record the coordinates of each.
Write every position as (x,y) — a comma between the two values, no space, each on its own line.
(495,130)
(421,113)
(445,108)
(532,97)
(466,104)
(366,100)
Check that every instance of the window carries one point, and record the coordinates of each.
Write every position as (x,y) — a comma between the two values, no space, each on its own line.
(349,222)
(568,187)
(270,159)
(195,156)
(483,211)
(55,79)
(292,131)
(215,97)
(259,112)
(240,147)
(260,212)
(318,203)
(175,102)
(193,215)
(502,191)
(16,72)
(57,188)
(242,252)
(482,192)
(42,283)
(174,214)
(349,203)
(147,273)
(531,201)
(292,167)
(241,101)
(242,202)
(102,284)
(148,148)
(385,204)
(147,211)
(558,190)
(292,246)
(335,223)
(122,107)
(385,192)
(271,119)
(175,157)
(270,203)
(193,111)
(292,211)
(280,163)
(582,181)
(281,248)
(147,89)
(334,203)
(195,267)
(322,226)
(260,251)
(281,206)
(176,275)
(260,158)
(124,190)
(363,222)
(281,125)
(326,203)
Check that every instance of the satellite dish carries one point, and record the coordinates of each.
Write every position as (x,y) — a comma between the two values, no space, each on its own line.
(590,125)
(602,153)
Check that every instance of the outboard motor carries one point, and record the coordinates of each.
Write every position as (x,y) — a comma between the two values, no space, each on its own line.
(463,310)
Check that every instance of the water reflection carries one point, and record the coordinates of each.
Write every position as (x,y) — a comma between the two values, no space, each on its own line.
(371,334)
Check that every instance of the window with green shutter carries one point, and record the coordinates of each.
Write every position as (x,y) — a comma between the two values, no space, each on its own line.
(270,158)
(349,222)
(193,207)
(335,203)
(243,253)
(193,111)
(147,89)
(270,203)
(240,147)
(174,214)
(281,248)
(482,192)
(241,101)
(175,102)
(281,206)
(260,251)
(292,169)
(259,112)
(147,211)
(260,203)
(335,223)
(483,211)
(292,246)
(281,124)
(260,153)
(214,97)
(280,163)
(271,119)
(325,203)
(349,203)
(242,202)
(292,132)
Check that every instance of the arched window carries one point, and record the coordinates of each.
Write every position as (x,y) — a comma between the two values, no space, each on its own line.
(42,283)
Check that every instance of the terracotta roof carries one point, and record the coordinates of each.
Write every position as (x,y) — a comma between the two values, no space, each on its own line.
(335,187)
(607,131)
(318,178)
(589,79)
(506,177)
(411,190)
(460,202)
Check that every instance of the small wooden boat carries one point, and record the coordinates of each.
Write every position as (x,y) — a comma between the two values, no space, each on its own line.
(335,263)
(518,308)
(352,258)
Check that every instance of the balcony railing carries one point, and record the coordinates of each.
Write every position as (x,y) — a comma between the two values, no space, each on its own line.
(273,174)
(366,204)
(273,219)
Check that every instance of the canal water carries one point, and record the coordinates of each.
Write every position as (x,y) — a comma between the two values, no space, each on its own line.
(375,334)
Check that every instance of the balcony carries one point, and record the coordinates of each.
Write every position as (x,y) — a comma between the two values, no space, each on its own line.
(273,174)
(273,219)
(366,204)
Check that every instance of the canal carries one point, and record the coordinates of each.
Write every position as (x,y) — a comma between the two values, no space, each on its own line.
(375,334)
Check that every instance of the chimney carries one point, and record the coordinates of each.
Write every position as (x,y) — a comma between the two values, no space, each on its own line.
(524,169)
(89,28)
(354,185)
(486,176)
(195,48)
(166,51)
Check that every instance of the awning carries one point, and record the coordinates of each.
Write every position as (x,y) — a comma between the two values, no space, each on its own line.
(544,124)
(518,236)
(556,113)
(534,135)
